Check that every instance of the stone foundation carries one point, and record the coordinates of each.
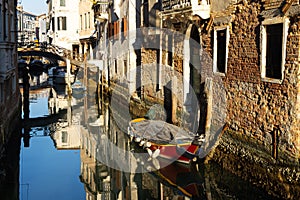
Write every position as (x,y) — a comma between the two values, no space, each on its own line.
(253,162)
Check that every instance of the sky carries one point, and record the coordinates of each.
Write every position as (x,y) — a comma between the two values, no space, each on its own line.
(36,7)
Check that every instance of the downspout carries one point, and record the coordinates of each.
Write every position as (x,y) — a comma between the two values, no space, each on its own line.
(160,55)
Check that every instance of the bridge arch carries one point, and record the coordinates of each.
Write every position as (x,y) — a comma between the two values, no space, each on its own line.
(52,57)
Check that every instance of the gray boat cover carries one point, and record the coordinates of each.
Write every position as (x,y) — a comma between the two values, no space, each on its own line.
(160,132)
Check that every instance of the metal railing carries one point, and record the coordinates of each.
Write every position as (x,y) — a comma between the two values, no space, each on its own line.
(177,4)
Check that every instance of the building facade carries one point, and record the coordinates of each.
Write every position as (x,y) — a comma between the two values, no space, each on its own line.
(27,27)
(254,46)
(87,32)
(63,23)
(248,51)
(41,26)
(9,92)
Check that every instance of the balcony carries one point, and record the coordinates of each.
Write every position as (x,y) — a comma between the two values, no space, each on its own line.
(197,7)
(100,9)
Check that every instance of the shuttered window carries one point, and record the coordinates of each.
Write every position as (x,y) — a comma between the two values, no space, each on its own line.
(124,27)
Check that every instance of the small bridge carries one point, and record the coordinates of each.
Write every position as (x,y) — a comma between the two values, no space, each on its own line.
(44,121)
(51,53)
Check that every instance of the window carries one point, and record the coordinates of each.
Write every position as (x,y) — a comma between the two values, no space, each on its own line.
(62,3)
(89,20)
(116,66)
(274,35)
(220,54)
(124,27)
(273,50)
(62,23)
(64,136)
(85,21)
(81,23)
(113,30)
(110,30)
(53,24)
(125,68)
(170,50)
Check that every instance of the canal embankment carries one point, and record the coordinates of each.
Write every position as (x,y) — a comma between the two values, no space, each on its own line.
(10,133)
(10,120)
(253,161)
(277,173)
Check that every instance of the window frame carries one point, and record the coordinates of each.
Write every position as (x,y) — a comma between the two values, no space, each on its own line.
(62,3)
(263,60)
(215,49)
(62,23)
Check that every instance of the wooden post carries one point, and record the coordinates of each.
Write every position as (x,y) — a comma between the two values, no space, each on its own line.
(26,93)
(174,99)
(26,88)
(85,78)
(68,62)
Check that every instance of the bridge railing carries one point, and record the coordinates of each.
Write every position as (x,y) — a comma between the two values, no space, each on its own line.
(75,57)
(42,45)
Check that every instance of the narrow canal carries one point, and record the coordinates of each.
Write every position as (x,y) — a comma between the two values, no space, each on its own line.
(68,151)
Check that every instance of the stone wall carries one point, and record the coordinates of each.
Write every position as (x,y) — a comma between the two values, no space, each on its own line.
(262,145)
(257,108)
(10,117)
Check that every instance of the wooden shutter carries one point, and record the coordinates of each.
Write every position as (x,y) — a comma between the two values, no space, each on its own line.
(115,29)
(125,26)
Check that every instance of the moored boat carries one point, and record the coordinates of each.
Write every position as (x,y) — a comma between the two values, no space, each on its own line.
(171,142)
(164,140)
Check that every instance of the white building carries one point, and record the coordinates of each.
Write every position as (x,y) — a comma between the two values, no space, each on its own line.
(87,32)
(26,26)
(42,31)
(63,22)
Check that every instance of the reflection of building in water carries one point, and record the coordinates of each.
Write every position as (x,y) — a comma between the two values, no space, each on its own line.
(105,153)
(58,100)
(38,80)
(65,133)
(67,136)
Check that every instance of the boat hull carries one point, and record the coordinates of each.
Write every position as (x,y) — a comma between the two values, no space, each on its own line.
(172,152)
(185,178)
(179,149)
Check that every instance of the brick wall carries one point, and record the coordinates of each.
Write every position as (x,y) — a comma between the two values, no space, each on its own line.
(254,107)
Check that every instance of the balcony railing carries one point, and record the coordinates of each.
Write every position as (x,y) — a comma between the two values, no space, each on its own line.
(198,7)
(100,9)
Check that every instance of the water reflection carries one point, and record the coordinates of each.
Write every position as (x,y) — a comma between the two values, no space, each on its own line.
(74,149)
(107,156)
(9,167)
(50,162)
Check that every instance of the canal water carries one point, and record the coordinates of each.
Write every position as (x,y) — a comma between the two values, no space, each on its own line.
(73,148)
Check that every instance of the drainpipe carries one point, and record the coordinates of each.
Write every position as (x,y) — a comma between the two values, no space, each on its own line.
(160,54)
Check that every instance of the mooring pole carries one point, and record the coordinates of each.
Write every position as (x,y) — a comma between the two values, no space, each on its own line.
(26,135)
(68,62)
(26,93)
